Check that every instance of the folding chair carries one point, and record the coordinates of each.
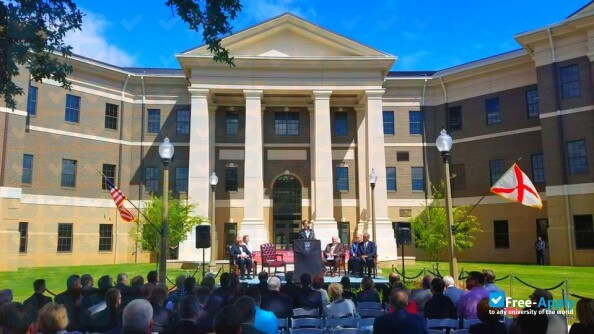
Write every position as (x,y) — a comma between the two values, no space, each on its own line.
(436,331)
(306,322)
(440,323)
(283,325)
(366,323)
(350,331)
(303,312)
(308,331)
(342,322)
(466,323)
(370,313)
(369,305)
(460,331)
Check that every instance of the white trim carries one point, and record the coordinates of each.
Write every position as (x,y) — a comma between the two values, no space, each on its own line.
(70,201)
(290,88)
(14,112)
(487,200)
(498,134)
(10,192)
(572,189)
(286,145)
(480,63)
(229,145)
(409,144)
(567,111)
(406,202)
(346,202)
(98,138)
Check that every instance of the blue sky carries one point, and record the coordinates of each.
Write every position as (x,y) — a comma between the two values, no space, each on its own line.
(423,34)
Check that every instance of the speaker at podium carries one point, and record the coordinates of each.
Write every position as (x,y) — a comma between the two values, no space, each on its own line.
(308,257)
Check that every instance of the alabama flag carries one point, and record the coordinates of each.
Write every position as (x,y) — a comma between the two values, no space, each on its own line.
(515,186)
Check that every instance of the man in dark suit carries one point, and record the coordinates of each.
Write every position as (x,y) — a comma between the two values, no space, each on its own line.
(439,306)
(281,305)
(187,310)
(368,253)
(37,300)
(263,283)
(306,232)
(422,295)
(290,288)
(308,297)
(399,321)
(332,255)
(129,293)
(242,257)
(209,305)
(71,299)
(355,257)
(88,289)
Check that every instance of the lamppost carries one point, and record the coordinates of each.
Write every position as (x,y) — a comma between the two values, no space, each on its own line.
(372,181)
(214,179)
(166,150)
(444,145)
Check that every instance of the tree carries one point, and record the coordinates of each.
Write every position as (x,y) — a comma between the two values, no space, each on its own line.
(32,35)
(430,227)
(180,222)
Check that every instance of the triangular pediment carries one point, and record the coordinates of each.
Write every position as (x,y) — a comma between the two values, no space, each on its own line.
(288,36)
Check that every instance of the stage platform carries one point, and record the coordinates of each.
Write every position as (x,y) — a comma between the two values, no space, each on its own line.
(327,279)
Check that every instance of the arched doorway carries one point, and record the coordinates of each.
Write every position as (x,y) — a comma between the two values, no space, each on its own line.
(286,205)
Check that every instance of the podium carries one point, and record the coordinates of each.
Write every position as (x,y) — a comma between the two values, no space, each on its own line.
(308,257)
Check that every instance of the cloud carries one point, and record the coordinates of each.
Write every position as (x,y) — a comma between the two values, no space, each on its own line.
(256,11)
(91,41)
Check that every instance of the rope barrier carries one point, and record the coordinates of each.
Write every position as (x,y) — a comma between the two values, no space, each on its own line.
(434,274)
(406,277)
(578,296)
(502,278)
(533,287)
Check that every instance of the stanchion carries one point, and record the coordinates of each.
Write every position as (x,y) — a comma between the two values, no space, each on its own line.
(511,285)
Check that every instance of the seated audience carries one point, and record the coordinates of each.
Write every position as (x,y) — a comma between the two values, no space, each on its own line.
(490,282)
(280,304)
(52,319)
(137,317)
(309,298)
(5,296)
(208,306)
(160,314)
(386,288)
(244,309)
(399,321)
(347,293)
(16,318)
(87,288)
(318,285)
(538,322)
(225,321)
(225,290)
(38,299)
(466,306)
(585,316)
(137,281)
(152,277)
(146,290)
(128,293)
(71,299)
(452,291)
(340,307)
(263,283)
(412,306)
(111,316)
(368,293)
(439,306)
(264,320)
(209,282)
(422,295)
(190,285)
(180,290)
(489,318)
(290,288)
(188,310)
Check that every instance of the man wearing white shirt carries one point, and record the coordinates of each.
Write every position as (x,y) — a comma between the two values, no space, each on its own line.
(246,242)
(242,257)
(332,254)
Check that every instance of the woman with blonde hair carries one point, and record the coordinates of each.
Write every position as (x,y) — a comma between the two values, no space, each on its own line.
(52,319)
(339,307)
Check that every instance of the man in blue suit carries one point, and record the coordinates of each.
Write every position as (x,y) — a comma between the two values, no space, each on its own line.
(368,253)
(355,256)
(399,321)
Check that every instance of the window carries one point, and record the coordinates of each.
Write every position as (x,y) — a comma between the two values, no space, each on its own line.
(340,124)
(532,103)
(493,112)
(72,108)
(455,118)
(501,233)
(538,173)
(342,178)
(68,173)
(111,116)
(402,156)
(418,183)
(496,170)
(570,81)
(458,176)
(32,101)
(286,124)
(154,121)
(391,178)
(182,118)
(388,122)
(344,233)
(415,121)
(109,172)
(577,161)
(584,231)
(231,124)
(24,234)
(181,179)
(64,238)
(151,179)
(230,233)
(105,237)
(231,178)
(27,174)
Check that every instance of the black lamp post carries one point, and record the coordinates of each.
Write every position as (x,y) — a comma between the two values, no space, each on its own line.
(372,181)
(213,180)
(166,151)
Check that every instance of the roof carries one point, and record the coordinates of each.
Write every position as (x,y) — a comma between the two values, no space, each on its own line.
(409,74)
(151,71)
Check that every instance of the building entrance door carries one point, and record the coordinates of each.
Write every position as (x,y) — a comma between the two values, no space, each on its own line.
(286,207)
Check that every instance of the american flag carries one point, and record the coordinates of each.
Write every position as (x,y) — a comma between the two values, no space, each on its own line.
(118,198)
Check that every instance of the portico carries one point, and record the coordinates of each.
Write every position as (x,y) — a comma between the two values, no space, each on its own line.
(289,82)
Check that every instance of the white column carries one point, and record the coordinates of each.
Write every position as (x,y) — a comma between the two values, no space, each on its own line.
(199,169)
(386,244)
(362,171)
(324,223)
(253,188)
